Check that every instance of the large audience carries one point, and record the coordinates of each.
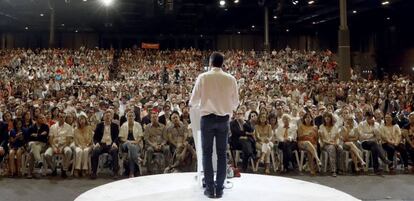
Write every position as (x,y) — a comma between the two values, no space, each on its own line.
(61,111)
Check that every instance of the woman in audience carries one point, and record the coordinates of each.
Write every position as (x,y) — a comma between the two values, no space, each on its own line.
(16,145)
(8,120)
(83,145)
(330,142)
(349,135)
(27,120)
(131,135)
(264,142)
(307,140)
(392,141)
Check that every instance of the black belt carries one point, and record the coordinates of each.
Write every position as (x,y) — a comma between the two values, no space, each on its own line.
(214,116)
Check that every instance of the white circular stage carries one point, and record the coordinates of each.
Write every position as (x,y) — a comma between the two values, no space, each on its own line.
(184,187)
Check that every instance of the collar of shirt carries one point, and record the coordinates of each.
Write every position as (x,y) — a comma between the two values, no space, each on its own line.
(216,69)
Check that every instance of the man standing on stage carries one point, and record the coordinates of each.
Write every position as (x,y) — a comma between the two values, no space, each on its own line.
(216,93)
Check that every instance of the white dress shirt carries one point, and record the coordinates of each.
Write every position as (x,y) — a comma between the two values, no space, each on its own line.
(215,92)
(368,132)
(280,132)
(60,134)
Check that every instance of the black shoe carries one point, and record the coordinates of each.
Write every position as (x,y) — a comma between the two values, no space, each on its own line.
(219,193)
(64,174)
(39,165)
(93,176)
(209,193)
(54,173)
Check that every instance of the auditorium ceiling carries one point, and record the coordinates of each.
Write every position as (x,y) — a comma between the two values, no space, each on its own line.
(192,16)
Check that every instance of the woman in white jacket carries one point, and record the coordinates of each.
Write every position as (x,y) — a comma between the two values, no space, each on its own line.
(131,136)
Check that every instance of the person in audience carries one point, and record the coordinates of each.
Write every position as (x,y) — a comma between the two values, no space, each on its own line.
(27,120)
(105,140)
(330,142)
(156,140)
(391,139)
(307,141)
(60,139)
(408,132)
(165,117)
(286,136)
(176,132)
(16,144)
(131,138)
(264,141)
(37,142)
(369,134)
(83,146)
(184,159)
(349,134)
(242,138)
(4,140)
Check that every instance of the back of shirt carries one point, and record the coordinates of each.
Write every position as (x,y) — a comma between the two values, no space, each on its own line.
(215,92)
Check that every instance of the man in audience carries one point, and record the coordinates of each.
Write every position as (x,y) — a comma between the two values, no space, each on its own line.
(60,138)
(156,140)
(37,142)
(105,140)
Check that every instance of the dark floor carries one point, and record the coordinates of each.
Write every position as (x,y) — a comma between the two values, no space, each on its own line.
(388,187)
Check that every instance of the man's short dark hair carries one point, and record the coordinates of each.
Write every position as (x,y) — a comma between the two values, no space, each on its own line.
(217,59)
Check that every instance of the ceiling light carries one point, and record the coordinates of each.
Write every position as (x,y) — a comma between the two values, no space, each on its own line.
(236,1)
(311,2)
(287,30)
(275,17)
(388,18)
(107,2)
(253,26)
(385,3)
(85,0)
(295,2)
(313,22)
(41,14)
(354,11)
(27,28)
(239,33)
(226,9)
(222,3)
(63,25)
(76,31)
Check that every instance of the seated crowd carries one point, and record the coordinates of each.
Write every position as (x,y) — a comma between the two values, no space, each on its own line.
(60,104)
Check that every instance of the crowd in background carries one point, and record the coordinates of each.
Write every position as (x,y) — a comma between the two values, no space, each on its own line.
(57,102)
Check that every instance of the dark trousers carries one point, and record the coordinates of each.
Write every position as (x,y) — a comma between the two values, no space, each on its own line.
(247,150)
(376,151)
(287,149)
(410,151)
(96,152)
(391,149)
(213,126)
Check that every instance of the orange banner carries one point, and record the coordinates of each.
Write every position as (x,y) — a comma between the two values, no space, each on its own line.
(150,46)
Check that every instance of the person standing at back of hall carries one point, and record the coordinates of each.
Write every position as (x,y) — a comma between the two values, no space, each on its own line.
(216,94)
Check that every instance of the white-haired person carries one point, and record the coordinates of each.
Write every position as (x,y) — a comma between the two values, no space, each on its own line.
(286,135)
(83,145)
(131,139)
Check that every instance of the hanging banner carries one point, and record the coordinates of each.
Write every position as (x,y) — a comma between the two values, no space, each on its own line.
(150,46)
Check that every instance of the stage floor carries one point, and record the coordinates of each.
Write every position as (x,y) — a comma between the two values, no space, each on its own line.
(184,187)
